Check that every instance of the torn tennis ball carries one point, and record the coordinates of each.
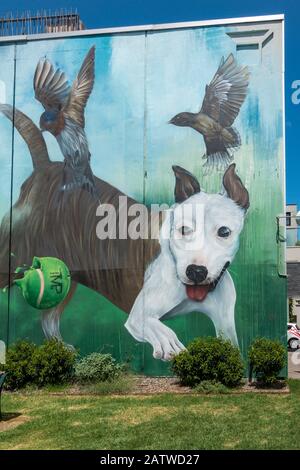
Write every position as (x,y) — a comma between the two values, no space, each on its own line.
(46,283)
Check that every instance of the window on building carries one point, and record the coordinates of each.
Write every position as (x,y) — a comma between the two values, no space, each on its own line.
(288,219)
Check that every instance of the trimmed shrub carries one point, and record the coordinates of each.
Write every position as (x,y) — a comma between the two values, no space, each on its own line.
(213,359)
(53,363)
(19,365)
(97,367)
(266,358)
(28,364)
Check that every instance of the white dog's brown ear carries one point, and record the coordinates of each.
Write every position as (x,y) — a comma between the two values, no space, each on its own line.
(235,188)
(186,184)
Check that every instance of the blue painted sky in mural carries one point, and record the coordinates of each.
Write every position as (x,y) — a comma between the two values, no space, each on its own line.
(179,65)
(130,12)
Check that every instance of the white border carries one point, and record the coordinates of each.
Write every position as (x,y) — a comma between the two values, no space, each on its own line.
(150,27)
(283,113)
(284,142)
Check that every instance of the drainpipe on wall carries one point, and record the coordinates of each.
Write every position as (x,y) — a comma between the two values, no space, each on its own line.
(281,245)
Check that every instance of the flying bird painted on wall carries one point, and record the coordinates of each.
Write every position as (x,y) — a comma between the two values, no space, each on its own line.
(64,117)
(223,99)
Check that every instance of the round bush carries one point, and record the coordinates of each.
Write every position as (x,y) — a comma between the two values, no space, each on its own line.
(26,363)
(97,367)
(266,358)
(53,363)
(19,365)
(213,359)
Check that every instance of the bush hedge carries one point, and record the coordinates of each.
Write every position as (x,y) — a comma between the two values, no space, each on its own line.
(53,363)
(209,359)
(27,364)
(266,359)
(97,367)
(19,364)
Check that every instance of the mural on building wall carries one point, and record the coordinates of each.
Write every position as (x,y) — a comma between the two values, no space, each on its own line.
(73,205)
(190,272)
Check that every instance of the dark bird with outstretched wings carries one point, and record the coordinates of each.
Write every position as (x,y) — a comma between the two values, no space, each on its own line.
(223,99)
(64,117)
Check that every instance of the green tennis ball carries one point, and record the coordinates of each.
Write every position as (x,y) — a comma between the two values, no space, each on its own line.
(46,283)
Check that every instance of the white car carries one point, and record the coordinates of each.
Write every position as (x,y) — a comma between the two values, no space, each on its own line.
(293,334)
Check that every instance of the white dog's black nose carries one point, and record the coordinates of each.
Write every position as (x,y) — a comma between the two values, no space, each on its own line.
(196,273)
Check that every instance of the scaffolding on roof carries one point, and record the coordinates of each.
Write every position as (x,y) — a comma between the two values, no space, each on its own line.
(42,21)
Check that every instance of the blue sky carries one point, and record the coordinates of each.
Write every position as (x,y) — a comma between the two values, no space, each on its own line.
(102,13)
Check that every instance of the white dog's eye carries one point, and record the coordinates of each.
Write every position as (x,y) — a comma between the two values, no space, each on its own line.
(224,232)
(184,230)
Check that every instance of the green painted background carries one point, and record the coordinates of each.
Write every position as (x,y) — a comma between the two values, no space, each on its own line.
(131,133)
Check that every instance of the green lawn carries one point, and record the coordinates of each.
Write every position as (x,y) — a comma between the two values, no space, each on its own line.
(244,421)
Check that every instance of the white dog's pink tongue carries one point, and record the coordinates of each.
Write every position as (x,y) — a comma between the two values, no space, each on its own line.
(197,292)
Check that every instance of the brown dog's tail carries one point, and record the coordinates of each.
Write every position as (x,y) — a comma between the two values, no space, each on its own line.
(30,133)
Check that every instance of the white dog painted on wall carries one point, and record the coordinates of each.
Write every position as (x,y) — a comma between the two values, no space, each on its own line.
(199,238)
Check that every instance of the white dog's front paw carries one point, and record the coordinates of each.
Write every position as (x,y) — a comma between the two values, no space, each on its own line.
(167,350)
(164,341)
